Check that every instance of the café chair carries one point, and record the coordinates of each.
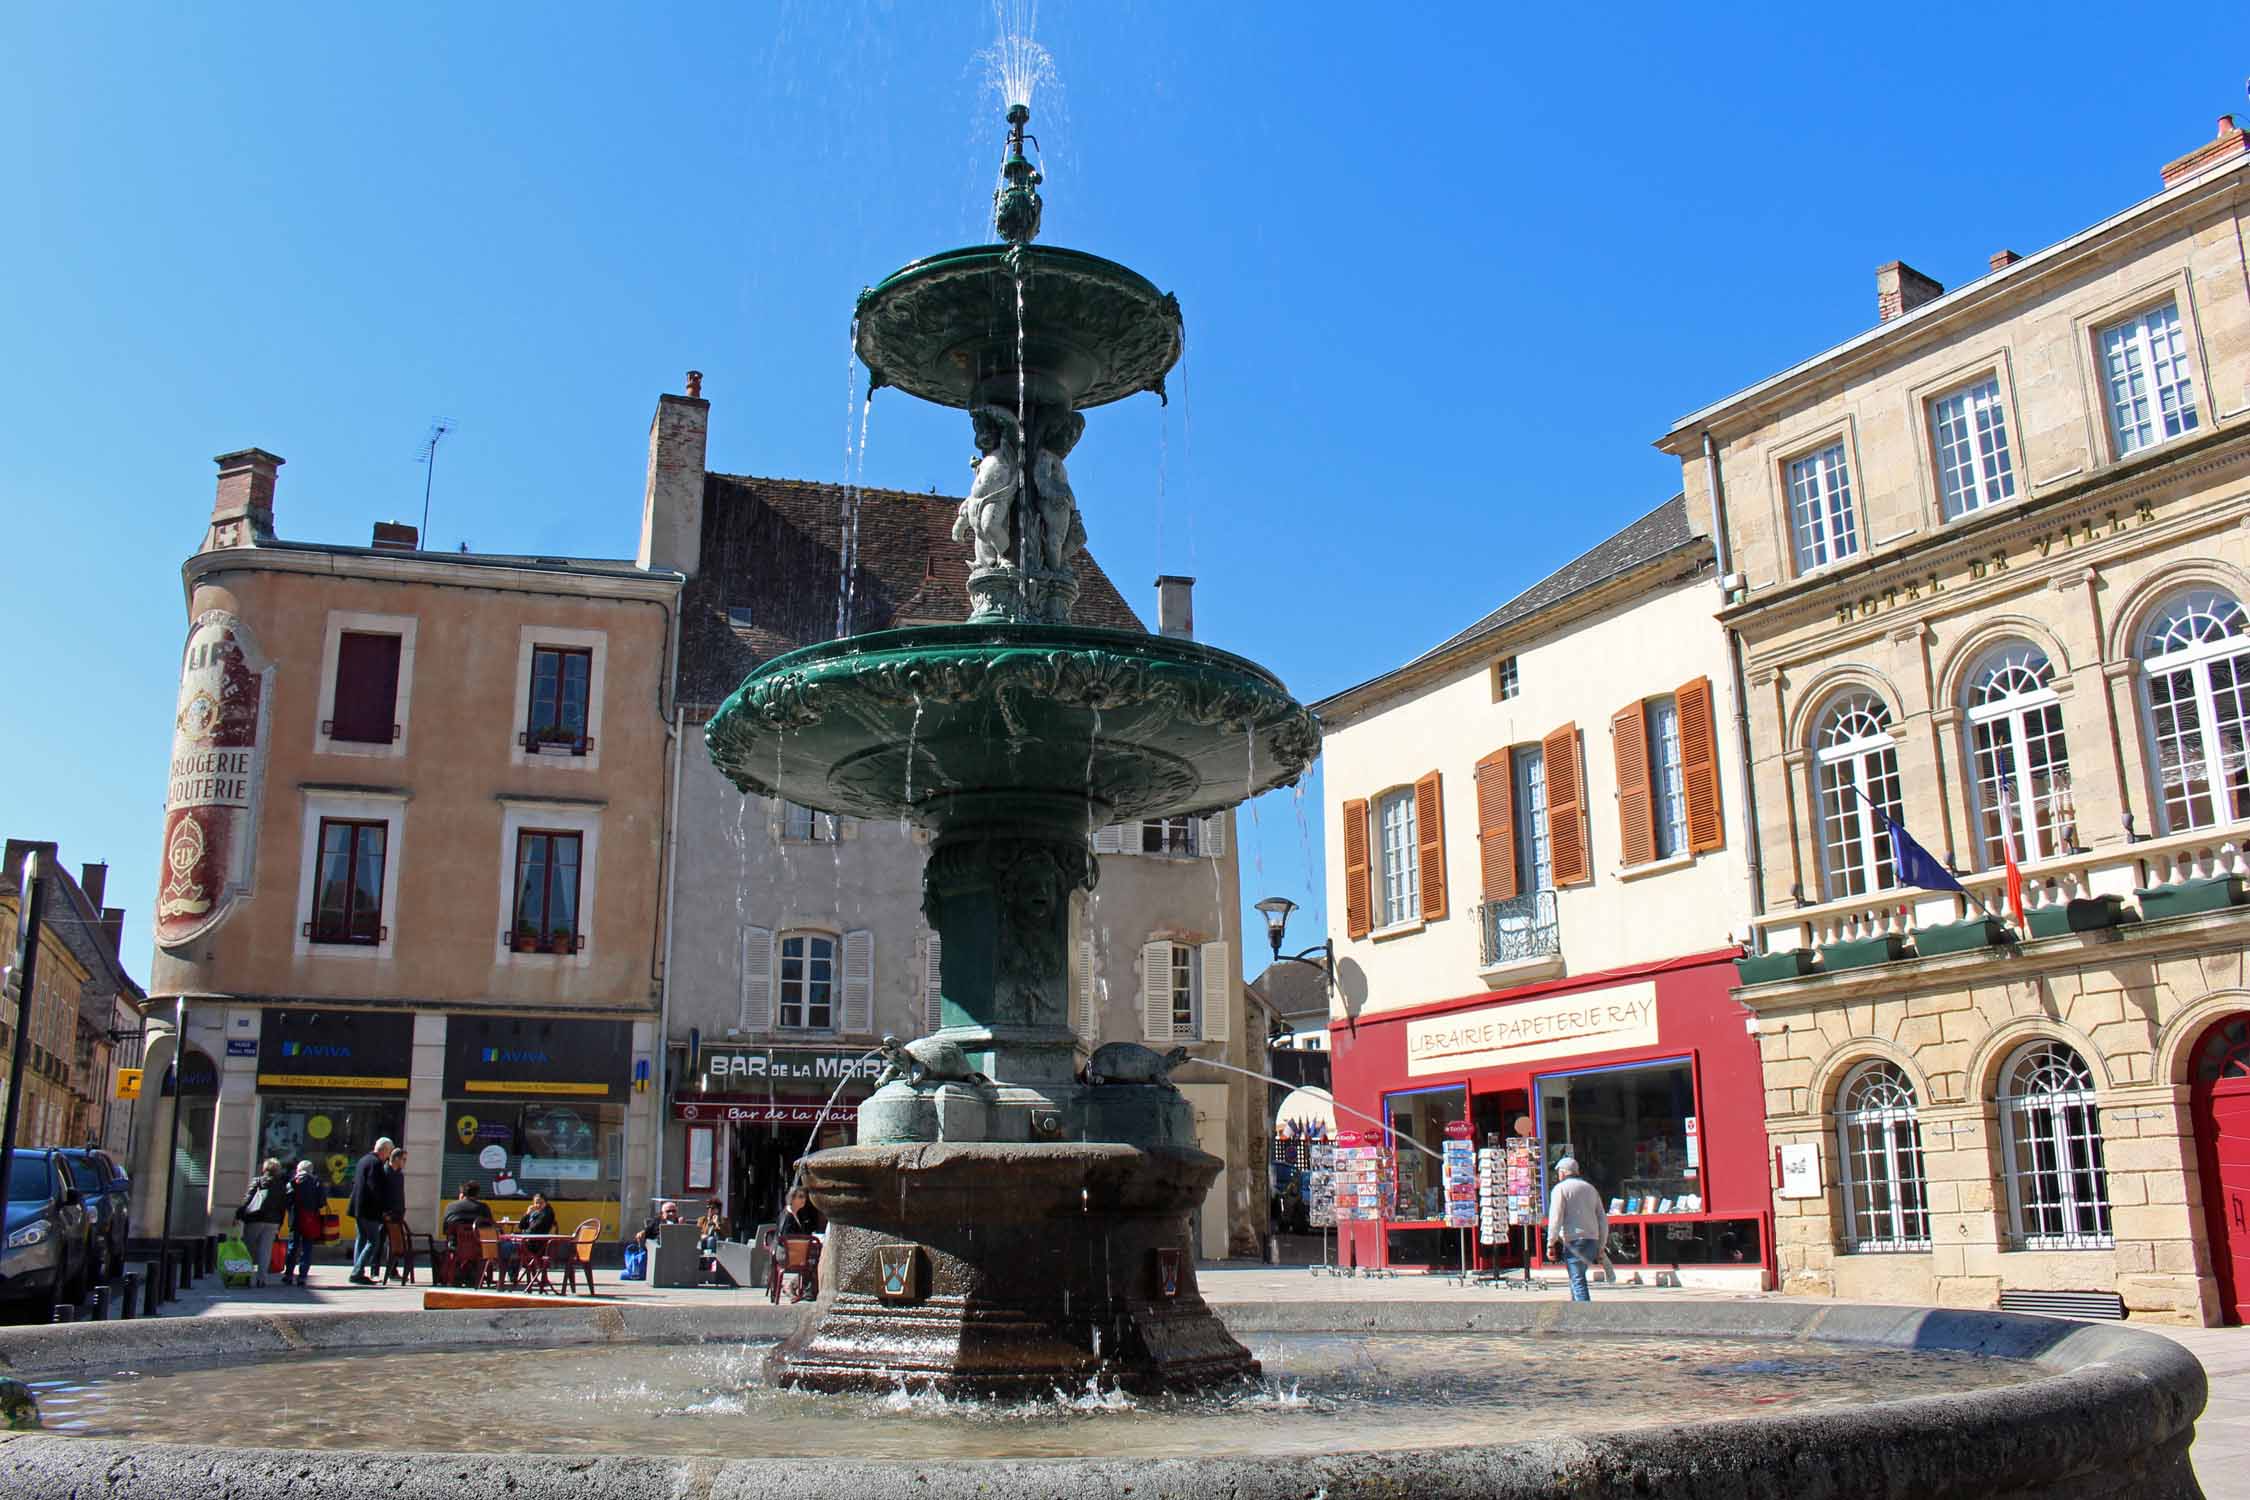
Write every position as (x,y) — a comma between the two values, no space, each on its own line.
(576,1254)
(398,1265)
(468,1264)
(799,1256)
(488,1251)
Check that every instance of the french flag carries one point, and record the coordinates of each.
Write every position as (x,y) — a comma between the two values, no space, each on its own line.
(2008,850)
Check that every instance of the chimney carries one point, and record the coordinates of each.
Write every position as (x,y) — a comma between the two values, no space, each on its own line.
(672,503)
(113,929)
(242,515)
(396,536)
(1899,289)
(1175,606)
(93,880)
(2230,143)
(2002,259)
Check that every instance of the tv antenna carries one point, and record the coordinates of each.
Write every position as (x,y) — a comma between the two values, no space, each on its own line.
(426,456)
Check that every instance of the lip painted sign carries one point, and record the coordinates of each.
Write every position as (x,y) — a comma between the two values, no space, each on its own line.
(218,763)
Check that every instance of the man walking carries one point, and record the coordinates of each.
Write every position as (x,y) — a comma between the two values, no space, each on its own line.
(1577,1226)
(370,1200)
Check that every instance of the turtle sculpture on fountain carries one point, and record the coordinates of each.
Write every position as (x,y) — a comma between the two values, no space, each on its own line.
(1004,1222)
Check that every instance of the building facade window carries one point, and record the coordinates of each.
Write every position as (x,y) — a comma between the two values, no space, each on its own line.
(2017,756)
(1505,683)
(1667,783)
(547,866)
(1186,983)
(1169,836)
(1970,429)
(1186,990)
(2195,656)
(1401,873)
(806,826)
(807,999)
(1879,1142)
(561,688)
(364,708)
(348,884)
(1821,518)
(2145,375)
(1855,762)
(2051,1134)
(1535,861)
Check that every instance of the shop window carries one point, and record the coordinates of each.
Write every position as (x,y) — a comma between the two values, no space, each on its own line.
(1855,764)
(1419,1119)
(2195,657)
(330,1132)
(2018,757)
(547,893)
(2051,1132)
(808,982)
(574,1153)
(348,883)
(366,702)
(1879,1141)
(561,687)
(1633,1131)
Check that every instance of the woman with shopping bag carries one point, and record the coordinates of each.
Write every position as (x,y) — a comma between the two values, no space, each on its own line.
(308,1222)
(263,1208)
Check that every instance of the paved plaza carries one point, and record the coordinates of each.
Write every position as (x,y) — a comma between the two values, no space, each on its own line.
(2222,1436)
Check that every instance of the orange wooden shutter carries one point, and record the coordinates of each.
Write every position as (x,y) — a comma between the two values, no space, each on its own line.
(1636,809)
(1699,767)
(1496,823)
(1359,899)
(1566,808)
(1429,838)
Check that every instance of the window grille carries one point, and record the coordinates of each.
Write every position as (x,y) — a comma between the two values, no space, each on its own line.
(2058,1187)
(1879,1140)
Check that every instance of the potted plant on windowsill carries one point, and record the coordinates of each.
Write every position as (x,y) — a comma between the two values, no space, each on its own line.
(557,740)
(560,941)
(526,939)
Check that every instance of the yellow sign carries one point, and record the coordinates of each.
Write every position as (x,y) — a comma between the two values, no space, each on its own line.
(128,1083)
(466,1129)
(1605,1020)
(319,1127)
(326,1081)
(517,1086)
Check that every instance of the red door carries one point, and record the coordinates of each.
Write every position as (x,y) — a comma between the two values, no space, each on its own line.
(2222,1140)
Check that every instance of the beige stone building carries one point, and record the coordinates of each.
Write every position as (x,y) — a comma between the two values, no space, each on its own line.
(412,869)
(1988,567)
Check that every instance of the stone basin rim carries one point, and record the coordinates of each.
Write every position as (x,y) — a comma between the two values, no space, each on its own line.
(2115,1408)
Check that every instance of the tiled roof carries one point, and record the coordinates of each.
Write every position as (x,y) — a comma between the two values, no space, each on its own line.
(771,563)
(1660,531)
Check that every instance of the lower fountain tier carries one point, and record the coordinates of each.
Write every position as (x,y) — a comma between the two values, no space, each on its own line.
(1009,1268)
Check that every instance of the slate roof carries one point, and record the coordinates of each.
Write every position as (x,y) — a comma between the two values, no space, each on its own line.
(771,554)
(1662,530)
(83,928)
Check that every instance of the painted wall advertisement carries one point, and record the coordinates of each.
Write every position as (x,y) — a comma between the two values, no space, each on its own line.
(218,764)
(1520,1031)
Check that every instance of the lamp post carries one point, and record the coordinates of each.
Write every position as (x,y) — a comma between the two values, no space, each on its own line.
(1322,958)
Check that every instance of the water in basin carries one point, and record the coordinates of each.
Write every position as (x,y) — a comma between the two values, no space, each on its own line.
(1321,1393)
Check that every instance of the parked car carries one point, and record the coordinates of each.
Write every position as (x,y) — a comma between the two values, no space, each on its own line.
(43,1259)
(109,1208)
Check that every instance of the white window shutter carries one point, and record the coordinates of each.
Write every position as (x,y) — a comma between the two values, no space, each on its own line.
(1110,839)
(859,982)
(1089,1021)
(1156,992)
(1212,837)
(757,978)
(1218,992)
(933,1013)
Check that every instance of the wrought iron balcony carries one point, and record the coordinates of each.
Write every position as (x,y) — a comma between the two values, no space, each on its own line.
(1519,928)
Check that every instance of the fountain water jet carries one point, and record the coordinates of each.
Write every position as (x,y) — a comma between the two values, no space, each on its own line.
(1005,1223)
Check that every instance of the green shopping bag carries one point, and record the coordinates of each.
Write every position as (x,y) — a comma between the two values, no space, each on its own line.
(235,1265)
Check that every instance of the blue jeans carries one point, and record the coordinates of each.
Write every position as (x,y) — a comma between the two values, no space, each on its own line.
(300,1254)
(367,1250)
(1579,1257)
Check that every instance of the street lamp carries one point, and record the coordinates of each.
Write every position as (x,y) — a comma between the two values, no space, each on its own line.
(1323,957)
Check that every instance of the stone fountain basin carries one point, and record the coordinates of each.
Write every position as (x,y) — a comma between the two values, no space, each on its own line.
(2112,1413)
(1074,726)
(945,328)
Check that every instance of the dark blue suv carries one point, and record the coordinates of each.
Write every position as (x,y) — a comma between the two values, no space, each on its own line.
(109,1208)
(44,1258)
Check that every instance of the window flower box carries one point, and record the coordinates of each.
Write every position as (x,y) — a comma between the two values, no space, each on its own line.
(1959,937)
(2086,914)
(1772,968)
(2188,898)
(1863,953)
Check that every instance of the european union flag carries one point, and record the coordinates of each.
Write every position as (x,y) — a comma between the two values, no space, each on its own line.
(1917,865)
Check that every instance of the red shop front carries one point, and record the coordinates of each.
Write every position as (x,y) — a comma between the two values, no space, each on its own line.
(1649,1075)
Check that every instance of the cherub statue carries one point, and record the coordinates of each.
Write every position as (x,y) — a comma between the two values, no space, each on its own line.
(984,516)
(1062,534)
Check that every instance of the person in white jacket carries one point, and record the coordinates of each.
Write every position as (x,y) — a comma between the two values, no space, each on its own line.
(1577,1226)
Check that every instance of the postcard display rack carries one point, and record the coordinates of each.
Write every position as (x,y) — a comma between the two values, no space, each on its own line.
(1365,1184)
(1508,1176)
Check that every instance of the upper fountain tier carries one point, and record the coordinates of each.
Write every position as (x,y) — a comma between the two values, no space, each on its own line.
(1015,323)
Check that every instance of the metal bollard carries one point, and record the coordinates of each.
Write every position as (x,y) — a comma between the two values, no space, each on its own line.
(152,1288)
(65,1313)
(97,1307)
(131,1301)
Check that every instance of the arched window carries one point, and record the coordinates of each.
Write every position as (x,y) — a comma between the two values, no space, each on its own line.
(1856,763)
(1879,1141)
(2195,655)
(2017,756)
(2051,1131)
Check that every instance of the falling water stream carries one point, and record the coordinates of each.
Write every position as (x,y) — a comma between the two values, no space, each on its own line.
(1347,1109)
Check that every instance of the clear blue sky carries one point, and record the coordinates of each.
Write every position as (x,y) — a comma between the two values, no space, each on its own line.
(1445,278)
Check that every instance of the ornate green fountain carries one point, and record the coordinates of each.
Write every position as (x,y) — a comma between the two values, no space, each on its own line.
(1009,1219)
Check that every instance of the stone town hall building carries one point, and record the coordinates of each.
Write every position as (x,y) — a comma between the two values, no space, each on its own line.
(1991,566)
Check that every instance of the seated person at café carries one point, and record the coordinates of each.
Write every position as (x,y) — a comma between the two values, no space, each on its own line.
(468,1209)
(539,1218)
(800,1217)
(668,1213)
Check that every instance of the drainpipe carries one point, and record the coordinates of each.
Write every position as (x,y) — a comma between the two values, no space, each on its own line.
(663,1048)
(1725,559)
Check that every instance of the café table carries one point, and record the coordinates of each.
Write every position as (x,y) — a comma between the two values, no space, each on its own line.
(535,1255)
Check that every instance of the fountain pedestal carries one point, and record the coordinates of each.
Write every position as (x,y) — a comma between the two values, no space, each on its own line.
(983,1267)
